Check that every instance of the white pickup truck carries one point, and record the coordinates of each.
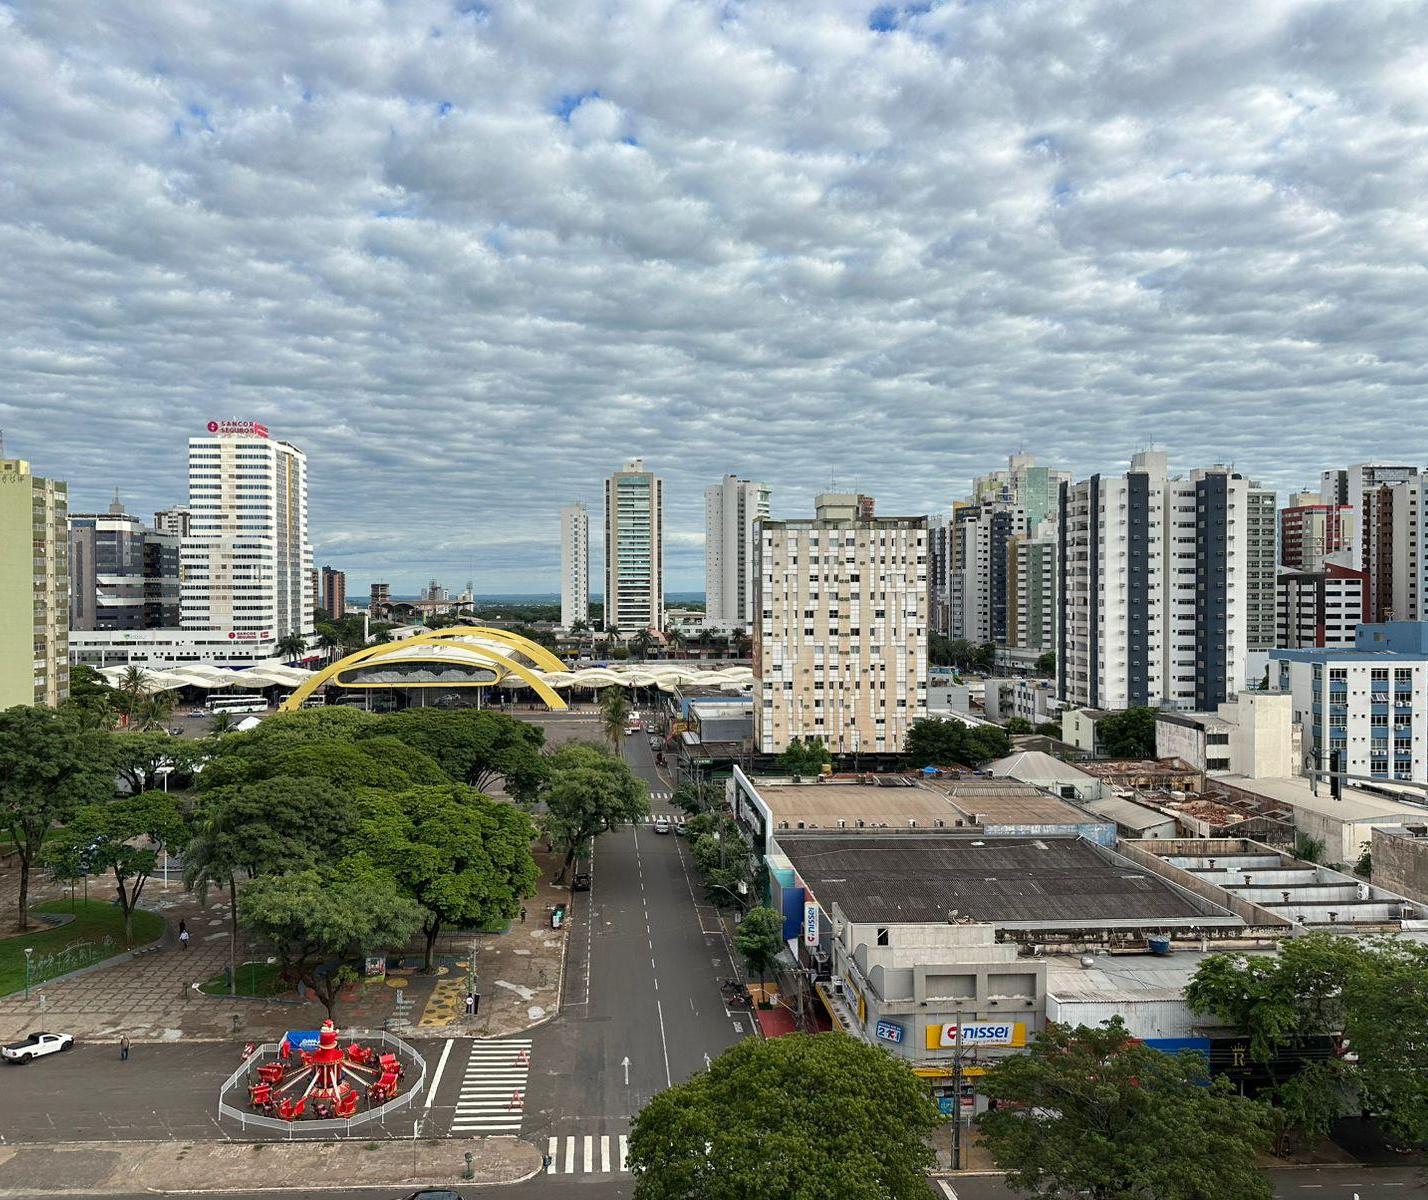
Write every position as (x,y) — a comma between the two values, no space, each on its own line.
(37,1045)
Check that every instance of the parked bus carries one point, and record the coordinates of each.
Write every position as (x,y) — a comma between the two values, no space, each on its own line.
(236,704)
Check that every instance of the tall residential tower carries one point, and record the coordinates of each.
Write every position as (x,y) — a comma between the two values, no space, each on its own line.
(34,587)
(634,549)
(574,565)
(732,511)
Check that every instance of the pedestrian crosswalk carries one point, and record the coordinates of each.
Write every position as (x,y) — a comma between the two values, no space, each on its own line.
(493,1089)
(672,818)
(660,795)
(592,1154)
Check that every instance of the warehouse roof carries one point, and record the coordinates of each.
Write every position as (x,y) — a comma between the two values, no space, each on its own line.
(1010,882)
(987,801)
(1034,765)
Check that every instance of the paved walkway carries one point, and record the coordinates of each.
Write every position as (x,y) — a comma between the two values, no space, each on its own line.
(185,1167)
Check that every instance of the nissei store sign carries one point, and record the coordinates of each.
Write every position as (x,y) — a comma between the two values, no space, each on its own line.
(237,429)
(946,1037)
(810,923)
(889,1031)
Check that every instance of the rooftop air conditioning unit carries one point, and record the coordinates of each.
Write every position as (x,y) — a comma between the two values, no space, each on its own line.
(861,823)
(911,824)
(842,824)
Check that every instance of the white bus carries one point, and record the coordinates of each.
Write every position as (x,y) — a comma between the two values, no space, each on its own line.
(236,704)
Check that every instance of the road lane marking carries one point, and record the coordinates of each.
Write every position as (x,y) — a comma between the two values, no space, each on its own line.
(664,1045)
(947,1189)
(551,1148)
(436,1075)
(570,1156)
(604,1154)
(624,1152)
(589,1157)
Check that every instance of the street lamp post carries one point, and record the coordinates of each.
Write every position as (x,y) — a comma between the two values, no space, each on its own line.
(29,954)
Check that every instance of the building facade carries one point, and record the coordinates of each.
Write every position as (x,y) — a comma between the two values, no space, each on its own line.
(939,573)
(173,519)
(1375,489)
(1263,568)
(1153,601)
(1321,608)
(1024,485)
(986,534)
(634,549)
(34,587)
(1311,531)
(574,565)
(1031,593)
(732,512)
(334,592)
(379,598)
(840,632)
(1368,703)
(246,562)
(122,575)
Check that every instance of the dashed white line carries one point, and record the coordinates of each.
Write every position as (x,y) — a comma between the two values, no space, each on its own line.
(664,1045)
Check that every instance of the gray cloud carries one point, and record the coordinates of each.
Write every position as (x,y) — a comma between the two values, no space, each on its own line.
(470,256)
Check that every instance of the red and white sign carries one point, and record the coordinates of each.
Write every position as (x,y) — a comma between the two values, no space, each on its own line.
(237,429)
(249,635)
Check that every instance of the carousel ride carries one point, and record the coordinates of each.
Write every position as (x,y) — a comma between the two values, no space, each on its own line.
(328,1082)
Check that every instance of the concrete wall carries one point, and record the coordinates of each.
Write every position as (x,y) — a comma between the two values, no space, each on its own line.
(1262,741)
(1078,729)
(1173,740)
(1148,856)
(1400,863)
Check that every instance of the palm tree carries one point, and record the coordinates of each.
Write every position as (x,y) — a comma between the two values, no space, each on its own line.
(130,691)
(154,709)
(614,714)
(329,643)
(642,643)
(221,723)
(292,646)
(743,643)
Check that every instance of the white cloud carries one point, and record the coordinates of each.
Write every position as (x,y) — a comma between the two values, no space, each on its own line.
(472,256)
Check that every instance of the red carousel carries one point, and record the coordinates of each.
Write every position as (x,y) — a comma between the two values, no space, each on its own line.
(325,1083)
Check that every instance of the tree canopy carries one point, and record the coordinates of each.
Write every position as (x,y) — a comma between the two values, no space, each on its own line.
(124,838)
(804,756)
(938,742)
(465,858)
(797,1117)
(140,758)
(51,764)
(478,748)
(1127,734)
(588,793)
(1094,1112)
(322,915)
(759,938)
(979,659)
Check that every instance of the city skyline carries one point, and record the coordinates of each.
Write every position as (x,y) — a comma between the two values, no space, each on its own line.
(956,232)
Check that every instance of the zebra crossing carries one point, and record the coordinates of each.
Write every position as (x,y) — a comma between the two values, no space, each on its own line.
(660,795)
(672,818)
(493,1089)
(592,1154)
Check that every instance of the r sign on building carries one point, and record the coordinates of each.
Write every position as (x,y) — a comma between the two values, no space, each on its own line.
(946,1037)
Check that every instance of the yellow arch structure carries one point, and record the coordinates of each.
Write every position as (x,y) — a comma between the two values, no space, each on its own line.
(532,650)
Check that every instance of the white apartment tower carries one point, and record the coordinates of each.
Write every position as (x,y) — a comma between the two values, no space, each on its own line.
(840,630)
(634,549)
(246,563)
(1154,589)
(732,512)
(574,565)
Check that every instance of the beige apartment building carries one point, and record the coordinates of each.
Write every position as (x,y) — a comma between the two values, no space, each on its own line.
(34,587)
(840,632)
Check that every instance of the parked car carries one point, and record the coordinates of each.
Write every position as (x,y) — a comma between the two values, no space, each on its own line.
(662,825)
(37,1045)
(631,730)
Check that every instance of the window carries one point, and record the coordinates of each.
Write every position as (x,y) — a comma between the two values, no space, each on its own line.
(883,936)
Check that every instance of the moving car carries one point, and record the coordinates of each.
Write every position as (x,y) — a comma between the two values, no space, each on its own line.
(631,730)
(37,1045)
(662,825)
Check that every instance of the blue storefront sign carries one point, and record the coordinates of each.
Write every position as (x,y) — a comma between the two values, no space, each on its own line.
(890,1031)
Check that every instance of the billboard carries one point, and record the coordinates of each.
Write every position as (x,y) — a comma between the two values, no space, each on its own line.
(237,429)
(810,923)
(973,1033)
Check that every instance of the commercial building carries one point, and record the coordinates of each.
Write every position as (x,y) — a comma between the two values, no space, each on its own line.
(1375,490)
(732,512)
(379,598)
(1050,774)
(334,591)
(173,519)
(1368,703)
(1310,531)
(840,633)
(34,587)
(1153,606)
(574,565)
(122,575)
(1321,608)
(634,549)
(1254,734)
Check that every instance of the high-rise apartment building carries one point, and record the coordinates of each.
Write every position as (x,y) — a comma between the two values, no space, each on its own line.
(334,592)
(983,537)
(1022,485)
(1372,488)
(380,597)
(34,587)
(122,575)
(732,512)
(1031,592)
(1154,589)
(1320,608)
(247,563)
(840,631)
(940,558)
(173,519)
(574,565)
(1263,568)
(1310,531)
(634,549)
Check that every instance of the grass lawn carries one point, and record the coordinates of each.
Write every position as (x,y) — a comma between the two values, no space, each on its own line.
(254,979)
(77,944)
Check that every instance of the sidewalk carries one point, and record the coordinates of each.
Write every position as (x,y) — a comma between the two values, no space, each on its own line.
(189,1168)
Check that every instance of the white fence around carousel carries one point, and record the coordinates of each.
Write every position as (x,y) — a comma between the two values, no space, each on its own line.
(414,1063)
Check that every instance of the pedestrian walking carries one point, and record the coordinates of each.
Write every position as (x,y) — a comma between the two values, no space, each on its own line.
(124,1048)
(183,937)
(523,914)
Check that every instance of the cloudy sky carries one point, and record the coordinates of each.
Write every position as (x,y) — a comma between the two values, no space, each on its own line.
(470,255)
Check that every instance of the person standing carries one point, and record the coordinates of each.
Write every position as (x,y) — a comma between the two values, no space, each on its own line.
(523,914)
(124,1048)
(183,936)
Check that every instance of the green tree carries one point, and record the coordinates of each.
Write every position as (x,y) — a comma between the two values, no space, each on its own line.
(1018,725)
(804,756)
(642,643)
(1045,663)
(1094,1112)
(463,857)
(483,750)
(759,938)
(91,699)
(139,758)
(940,742)
(324,914)
(801,1117)
(125,838)
(1127,734)
(50,765)
(221,723)
(688,798)
(614,714)
(675,640)
(292,646)
(588,793)
(961,654)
